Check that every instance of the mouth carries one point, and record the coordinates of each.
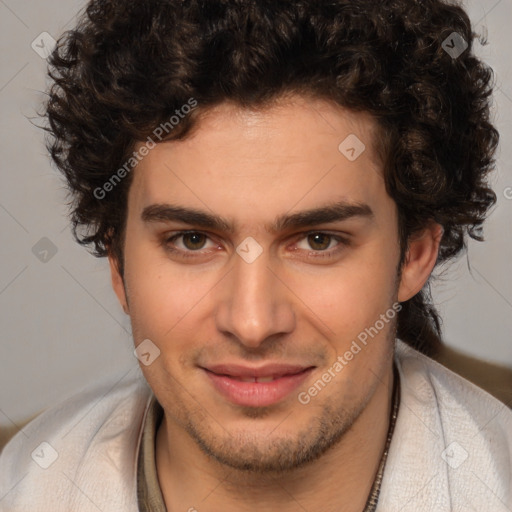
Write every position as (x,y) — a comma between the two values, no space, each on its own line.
(256,379)
(256,387)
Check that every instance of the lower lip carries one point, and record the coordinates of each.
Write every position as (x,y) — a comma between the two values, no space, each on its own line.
(257,394)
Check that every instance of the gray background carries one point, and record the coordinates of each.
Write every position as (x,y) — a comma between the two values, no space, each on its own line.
(61,325)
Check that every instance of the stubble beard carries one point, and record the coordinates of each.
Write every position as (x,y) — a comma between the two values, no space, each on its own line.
(275,454)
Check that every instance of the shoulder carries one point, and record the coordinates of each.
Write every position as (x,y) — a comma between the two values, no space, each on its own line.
(81,454)
(452,445)
(429,382)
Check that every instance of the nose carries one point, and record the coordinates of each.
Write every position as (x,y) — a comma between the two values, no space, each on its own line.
(254,305)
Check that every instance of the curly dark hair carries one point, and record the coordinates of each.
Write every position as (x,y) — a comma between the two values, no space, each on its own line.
(128,66)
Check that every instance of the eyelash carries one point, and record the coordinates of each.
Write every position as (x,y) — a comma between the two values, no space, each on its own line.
(325,254)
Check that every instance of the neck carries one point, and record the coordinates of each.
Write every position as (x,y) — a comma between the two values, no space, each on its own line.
(342,477)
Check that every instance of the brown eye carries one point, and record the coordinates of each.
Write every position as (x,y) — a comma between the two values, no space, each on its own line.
(322,246)
(319,241)
(194,241)
(189,244)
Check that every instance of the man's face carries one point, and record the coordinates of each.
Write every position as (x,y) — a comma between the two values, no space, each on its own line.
(219,310)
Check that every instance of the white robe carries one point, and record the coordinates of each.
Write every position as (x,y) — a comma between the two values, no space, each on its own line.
(451,450)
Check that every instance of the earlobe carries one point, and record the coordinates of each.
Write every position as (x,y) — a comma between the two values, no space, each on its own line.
(420,260)
(118,283)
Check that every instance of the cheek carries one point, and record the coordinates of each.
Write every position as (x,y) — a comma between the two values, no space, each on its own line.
(351,296)
(162,296)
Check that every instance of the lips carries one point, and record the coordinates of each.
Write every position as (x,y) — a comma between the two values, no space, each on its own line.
(239,371)
(256,387)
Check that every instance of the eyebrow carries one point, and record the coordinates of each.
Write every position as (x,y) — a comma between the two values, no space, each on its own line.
(335,212)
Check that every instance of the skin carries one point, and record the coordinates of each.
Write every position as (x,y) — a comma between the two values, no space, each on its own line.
(287,306)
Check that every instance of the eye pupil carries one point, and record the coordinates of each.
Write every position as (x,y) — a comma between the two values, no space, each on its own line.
(317,239)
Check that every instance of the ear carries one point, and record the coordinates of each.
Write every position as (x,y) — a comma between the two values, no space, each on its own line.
(117,282)
(419,261)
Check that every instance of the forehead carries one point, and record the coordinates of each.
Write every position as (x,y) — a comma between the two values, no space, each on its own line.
(237,160)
